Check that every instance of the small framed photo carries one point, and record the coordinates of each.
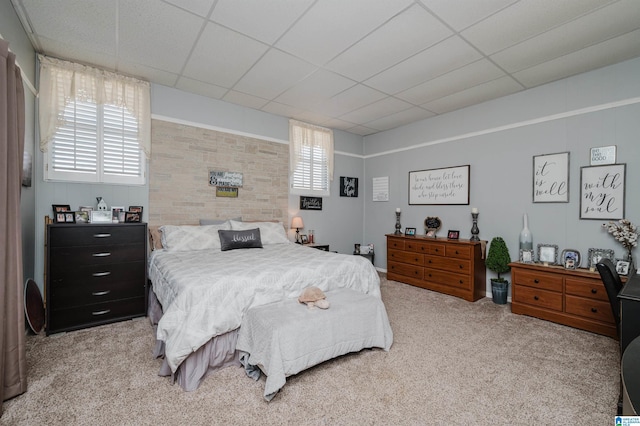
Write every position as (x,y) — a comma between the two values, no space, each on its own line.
(596,254)
(115,213)
(304,239)
(622,267)
(548,253)
(356,248)
(69,217)
(58,208)
(82,216)
(100,216)
(431,234)
(132,217)
(137,209)
(410,232)
(571,258)
(526,255)
(453,235)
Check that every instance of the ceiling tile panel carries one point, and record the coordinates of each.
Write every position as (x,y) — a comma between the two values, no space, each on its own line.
(150,74)
(578,34)
(331,26)
(376,110)
(606,53)
(316,88)
(462,13)
(222,56)
(474,95)
(353,98)
(463,78)
(200,88)
(412,31)
(172,30)
(199,7)
(405,117)
(446,56)
(523,20)
(90,57)
(243,99)
(263,20)
(273,74)
(86,24)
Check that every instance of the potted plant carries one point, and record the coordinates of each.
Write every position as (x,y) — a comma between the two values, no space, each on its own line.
(498,261)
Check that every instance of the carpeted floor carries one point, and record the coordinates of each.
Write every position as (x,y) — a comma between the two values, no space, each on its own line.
(452,362)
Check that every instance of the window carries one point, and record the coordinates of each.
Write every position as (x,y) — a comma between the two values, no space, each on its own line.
(311,159)
(94,125)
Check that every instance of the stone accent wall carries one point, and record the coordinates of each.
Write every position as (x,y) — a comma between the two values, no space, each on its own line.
(181,157)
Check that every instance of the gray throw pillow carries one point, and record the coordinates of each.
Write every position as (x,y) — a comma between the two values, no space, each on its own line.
(230,240)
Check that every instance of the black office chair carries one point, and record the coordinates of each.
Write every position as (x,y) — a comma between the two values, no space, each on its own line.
(613,285)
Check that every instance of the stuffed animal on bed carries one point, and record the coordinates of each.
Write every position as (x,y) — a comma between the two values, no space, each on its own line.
(313,296)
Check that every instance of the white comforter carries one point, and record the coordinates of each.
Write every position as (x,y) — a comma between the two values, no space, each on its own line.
(205,293)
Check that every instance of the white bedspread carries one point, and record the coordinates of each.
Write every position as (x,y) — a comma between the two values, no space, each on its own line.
(205,293)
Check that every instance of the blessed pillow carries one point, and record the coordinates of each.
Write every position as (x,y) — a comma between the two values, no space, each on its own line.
(230,240)
(188,237)
(271,232)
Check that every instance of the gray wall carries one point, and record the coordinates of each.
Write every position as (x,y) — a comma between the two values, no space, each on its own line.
(498,140)
(12,31)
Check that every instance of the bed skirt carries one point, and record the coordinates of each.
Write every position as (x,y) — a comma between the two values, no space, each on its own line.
(217,353)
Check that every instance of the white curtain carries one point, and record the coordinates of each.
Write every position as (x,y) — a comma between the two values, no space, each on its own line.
(62,82)
(307,135)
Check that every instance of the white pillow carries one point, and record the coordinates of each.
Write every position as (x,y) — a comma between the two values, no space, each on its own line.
(270,232)
(187,238)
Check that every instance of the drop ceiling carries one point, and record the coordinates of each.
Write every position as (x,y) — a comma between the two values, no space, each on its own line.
(362,66)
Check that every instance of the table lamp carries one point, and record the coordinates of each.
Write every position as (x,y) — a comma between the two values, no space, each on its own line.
(297,223)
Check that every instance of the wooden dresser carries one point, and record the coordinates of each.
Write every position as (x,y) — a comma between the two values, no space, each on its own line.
(96,274)
(454,267)
(571,297)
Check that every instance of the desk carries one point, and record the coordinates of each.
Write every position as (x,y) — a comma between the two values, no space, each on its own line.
(629,298)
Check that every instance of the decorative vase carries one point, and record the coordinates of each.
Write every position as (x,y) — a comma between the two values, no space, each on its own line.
(526,240)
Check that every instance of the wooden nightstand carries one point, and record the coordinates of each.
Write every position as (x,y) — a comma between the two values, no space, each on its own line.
(370,256)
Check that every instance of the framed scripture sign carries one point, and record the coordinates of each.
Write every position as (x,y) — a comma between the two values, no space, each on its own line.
(551,178)
(446,186)
(602,192)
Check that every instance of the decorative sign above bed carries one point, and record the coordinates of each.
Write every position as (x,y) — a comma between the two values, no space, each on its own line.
(233,179)
(310,203)
(444,186)
(551,178)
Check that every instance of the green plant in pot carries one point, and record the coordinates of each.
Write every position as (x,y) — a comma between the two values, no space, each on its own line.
(498,260)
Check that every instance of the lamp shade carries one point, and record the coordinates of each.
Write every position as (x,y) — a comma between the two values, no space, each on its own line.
(297,223)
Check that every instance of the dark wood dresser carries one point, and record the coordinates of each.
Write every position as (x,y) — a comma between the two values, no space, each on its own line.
(96,274)
(454,267)
(574,297)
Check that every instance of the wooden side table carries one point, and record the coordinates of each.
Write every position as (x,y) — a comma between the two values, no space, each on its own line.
(370,256)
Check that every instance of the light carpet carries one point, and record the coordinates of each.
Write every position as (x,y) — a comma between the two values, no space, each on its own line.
(452,362)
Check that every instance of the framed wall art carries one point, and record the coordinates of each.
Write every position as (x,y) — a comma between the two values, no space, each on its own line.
(602,192)
(310,203)
(551,178)
(445,186)
(348,186)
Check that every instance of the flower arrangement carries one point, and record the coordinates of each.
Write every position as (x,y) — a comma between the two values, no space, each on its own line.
(625,233)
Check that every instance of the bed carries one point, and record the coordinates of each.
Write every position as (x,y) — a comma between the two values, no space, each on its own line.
(204,278)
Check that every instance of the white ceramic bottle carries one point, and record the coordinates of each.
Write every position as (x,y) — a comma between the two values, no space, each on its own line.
(526,239)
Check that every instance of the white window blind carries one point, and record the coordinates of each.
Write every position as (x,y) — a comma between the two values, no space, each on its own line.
(311,159)
(93,124)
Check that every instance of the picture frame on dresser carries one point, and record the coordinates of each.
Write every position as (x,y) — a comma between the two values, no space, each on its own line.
(548,253)
(597,254)
(526,255)
(571,258)
(622,267)
(410,232)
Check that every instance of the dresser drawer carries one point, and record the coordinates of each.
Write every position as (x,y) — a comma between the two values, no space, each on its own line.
(95,235)
(589,308)
(99,313)
(405,270)
(72,257)
(539,280)
(395,243)
(593,289)
(406,257)
(448,278)
(448,264)
(458,252)
(539,298)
